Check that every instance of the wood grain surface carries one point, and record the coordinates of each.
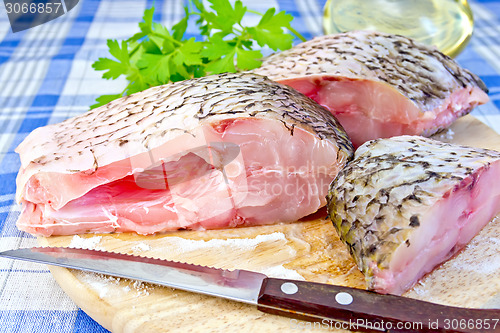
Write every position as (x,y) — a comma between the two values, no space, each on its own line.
(308,249)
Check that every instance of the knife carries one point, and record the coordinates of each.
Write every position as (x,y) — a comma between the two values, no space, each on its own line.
(332,306)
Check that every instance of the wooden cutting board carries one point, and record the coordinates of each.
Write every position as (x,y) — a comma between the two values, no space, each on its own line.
(308,249)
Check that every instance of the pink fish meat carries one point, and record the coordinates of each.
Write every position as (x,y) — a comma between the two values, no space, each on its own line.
(214,152)
(378,85)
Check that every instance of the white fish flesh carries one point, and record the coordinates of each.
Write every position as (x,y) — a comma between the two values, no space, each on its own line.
(214,152)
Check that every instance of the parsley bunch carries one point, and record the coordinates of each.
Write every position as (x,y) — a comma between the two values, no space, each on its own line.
(156,56)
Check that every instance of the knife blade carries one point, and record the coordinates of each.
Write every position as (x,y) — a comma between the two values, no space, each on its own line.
(348,308)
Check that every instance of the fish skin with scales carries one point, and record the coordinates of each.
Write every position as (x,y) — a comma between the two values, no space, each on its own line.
(406,204)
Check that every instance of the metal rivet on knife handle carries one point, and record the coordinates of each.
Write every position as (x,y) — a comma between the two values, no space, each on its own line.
(289,288)
(343,298)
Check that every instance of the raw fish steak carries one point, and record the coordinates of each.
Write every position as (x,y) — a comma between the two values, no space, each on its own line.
(408,203)
(378,85)
(213,152)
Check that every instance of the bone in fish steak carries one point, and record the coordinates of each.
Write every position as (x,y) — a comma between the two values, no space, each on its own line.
(408,203)
(212,152)
(379,85)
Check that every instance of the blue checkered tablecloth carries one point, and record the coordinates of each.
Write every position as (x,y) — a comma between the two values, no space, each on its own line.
(46,77)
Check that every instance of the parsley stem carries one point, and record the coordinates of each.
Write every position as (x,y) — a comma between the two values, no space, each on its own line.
(296,33)
(169,38)
(131,53)
(254,12)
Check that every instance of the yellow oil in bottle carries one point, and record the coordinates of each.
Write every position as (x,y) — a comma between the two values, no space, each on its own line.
(447,24)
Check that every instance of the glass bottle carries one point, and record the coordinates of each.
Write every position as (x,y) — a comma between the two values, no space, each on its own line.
(447,24)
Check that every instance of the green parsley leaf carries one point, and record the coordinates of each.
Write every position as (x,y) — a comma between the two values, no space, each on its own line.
(271,30)
(190,53)
(225,16)
(114,68)
(145,26)
(216,48)
(155,67)
(225,64)
(248,59)
(180,28)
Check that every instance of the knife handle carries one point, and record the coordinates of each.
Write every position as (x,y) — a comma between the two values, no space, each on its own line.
(367,311)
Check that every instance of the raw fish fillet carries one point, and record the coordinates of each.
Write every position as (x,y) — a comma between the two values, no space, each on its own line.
(214,152)
(406,204)
(379,85)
